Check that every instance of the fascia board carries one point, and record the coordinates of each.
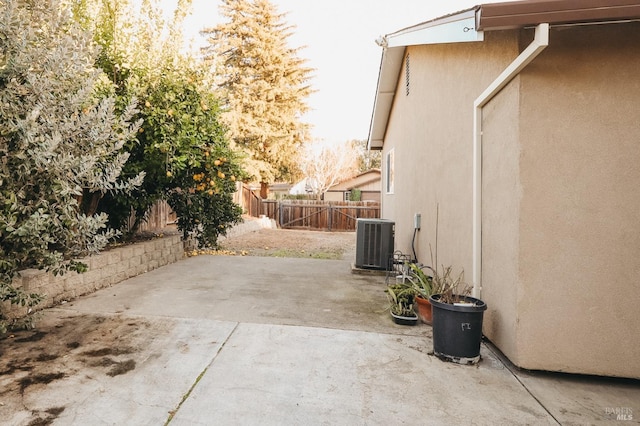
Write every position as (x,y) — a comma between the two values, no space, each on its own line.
(456,28)
(390,66)
(460,30)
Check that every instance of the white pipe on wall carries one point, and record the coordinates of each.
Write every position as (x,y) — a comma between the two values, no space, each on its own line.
(539,43)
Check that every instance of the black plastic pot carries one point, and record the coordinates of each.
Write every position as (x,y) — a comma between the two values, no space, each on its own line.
(457,329)
(402,320)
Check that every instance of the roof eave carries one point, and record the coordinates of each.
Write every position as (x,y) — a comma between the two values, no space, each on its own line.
(518,14)
(469,25)
(390,66)
(455,28)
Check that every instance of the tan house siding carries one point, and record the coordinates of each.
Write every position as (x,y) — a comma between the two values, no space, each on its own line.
(561,188)
(365,195)
(431,130)
(368,183)
(501,196)
(580,213)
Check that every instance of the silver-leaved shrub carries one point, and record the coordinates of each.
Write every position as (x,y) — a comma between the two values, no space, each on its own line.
(61,144)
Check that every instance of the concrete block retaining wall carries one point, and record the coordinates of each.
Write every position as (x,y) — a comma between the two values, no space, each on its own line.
(105,269)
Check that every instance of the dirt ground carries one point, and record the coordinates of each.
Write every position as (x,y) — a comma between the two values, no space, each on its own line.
(293,243)
(61,347)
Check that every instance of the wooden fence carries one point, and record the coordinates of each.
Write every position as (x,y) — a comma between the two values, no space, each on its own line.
(159,216)
(324,215)
(288,214)
(250,202)
(270,209)
(307,214)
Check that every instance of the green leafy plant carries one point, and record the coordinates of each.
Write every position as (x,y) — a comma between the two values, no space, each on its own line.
(450,287)
(181,146)
(422,283)
(401,299)
(61,144)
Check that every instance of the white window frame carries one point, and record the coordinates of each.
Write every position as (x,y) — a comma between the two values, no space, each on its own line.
(390,171)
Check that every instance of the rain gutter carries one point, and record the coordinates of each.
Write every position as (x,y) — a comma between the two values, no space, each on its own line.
(539,43)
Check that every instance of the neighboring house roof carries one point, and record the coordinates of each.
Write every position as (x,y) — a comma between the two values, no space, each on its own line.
(362,179)
(468,26)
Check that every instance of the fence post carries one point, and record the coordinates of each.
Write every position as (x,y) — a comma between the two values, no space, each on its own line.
(330,216)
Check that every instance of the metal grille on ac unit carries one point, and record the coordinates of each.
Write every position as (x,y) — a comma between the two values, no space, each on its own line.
(374,243)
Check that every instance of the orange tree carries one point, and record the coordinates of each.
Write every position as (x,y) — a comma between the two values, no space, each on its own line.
(181,146)
(200,170)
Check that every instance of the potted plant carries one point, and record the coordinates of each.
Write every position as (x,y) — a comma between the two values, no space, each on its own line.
(424,287)
(401,303)
(457,319)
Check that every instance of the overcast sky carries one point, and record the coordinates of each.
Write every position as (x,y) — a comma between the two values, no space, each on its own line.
(339,36)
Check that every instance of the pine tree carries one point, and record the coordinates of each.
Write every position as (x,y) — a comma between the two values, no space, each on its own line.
(265,86)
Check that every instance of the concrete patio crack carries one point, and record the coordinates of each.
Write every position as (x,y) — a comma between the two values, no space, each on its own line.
(172,413)
(509,367)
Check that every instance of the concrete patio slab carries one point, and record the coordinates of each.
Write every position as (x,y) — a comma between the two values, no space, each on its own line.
(574,399)
(270,290)
(223,340)
(165,356)
(277,375)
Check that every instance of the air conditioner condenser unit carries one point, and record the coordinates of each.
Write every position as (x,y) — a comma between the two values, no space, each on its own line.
(374,243)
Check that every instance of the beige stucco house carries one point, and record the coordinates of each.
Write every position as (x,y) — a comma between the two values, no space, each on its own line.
(367,182)
(519,123)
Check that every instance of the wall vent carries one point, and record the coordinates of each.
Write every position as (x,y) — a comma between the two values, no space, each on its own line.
(407,75)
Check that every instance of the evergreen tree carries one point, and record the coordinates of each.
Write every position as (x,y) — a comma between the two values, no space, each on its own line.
(61,143)
(265,87)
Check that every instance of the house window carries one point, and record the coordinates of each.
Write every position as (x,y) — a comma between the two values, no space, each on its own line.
(406,74)
(347,196)
(390,171)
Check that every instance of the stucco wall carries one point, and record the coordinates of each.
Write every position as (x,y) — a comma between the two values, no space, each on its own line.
(501,195)
(580,212)
(430,131)
(561,189)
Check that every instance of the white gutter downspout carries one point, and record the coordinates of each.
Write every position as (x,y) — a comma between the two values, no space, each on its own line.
(539,43)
